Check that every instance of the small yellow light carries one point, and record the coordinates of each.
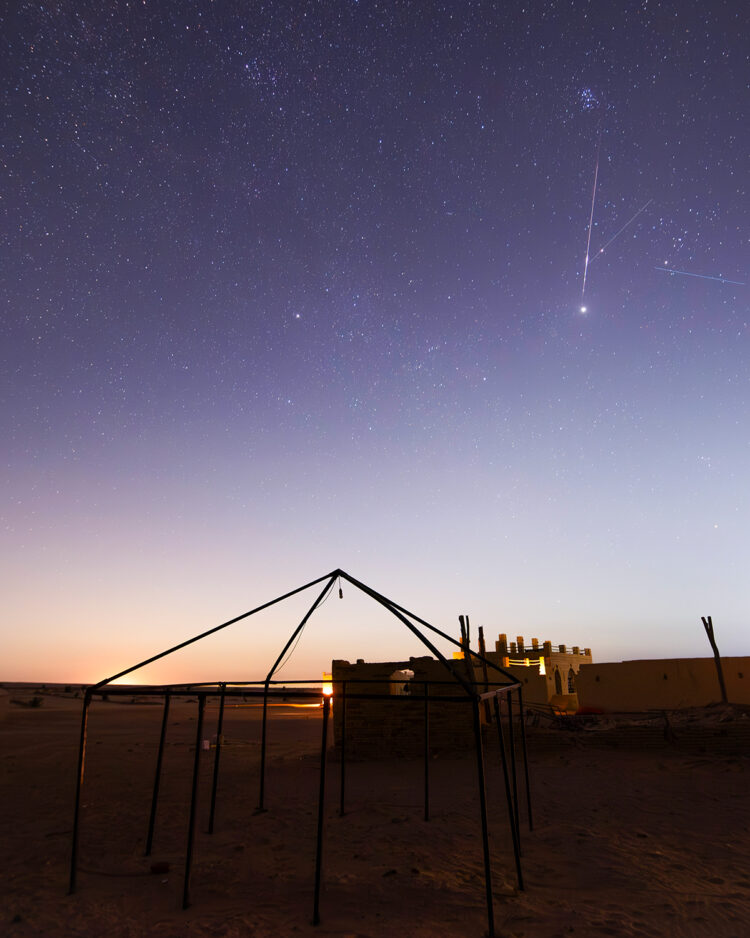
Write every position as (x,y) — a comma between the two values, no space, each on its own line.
(542,669)
(328,690)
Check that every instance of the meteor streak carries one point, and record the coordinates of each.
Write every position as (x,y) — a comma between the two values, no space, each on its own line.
(685,273)
(591,216)
(629,222)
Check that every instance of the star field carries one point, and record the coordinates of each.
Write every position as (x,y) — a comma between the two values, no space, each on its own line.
(289,286)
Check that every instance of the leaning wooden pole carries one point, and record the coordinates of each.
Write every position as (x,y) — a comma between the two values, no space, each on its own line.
(709,627)
(485,675)
(466,643)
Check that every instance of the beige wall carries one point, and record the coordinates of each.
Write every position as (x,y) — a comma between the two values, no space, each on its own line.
(667,683)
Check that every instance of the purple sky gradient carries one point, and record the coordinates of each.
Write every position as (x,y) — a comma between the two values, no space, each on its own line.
(290,287)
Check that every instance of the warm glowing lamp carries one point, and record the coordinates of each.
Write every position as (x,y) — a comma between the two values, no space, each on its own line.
(327,685)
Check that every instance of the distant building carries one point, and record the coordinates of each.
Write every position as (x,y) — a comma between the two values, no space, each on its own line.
(388,725)
(382,725)
(548,672)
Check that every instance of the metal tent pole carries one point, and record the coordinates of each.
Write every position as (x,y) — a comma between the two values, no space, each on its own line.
(157,776)
(342,786)
(216,628)
(217,754)
(391,607)
(426,754)
(514,779)
(396,607)
(508,795)
(483,816)
(79,785)
(525,757)
(321,807)
(295,633)
(262,789)
(193,796)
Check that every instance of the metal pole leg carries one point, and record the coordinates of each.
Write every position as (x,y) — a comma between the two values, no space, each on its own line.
(217,754)
(191,827)
(261,793)
(508,795)
(79,785)
(157,777)
(525,757)
(483,813)
(426,754)
(321,797)
(343,749)
(514,778)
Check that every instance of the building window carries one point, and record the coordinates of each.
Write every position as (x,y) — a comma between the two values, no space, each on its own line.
(400,681)
(558,682)
(571,681)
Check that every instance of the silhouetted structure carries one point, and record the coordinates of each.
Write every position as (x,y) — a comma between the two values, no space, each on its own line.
(456,689)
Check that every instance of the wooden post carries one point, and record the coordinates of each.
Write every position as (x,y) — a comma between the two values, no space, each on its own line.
(466,642)
(709,627)
(485,676)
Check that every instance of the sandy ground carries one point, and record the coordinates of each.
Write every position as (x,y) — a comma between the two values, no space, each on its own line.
(625,842)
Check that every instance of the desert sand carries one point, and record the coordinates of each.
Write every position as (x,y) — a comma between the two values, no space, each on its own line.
(629,839)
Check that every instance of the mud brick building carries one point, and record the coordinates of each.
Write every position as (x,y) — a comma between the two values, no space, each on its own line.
(548,672)
(394,725)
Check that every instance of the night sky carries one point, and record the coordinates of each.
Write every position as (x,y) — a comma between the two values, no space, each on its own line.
(293,286)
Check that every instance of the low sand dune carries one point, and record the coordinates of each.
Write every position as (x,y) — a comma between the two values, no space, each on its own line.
(627,841)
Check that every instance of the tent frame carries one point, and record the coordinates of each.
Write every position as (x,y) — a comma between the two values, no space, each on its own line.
(494,693)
